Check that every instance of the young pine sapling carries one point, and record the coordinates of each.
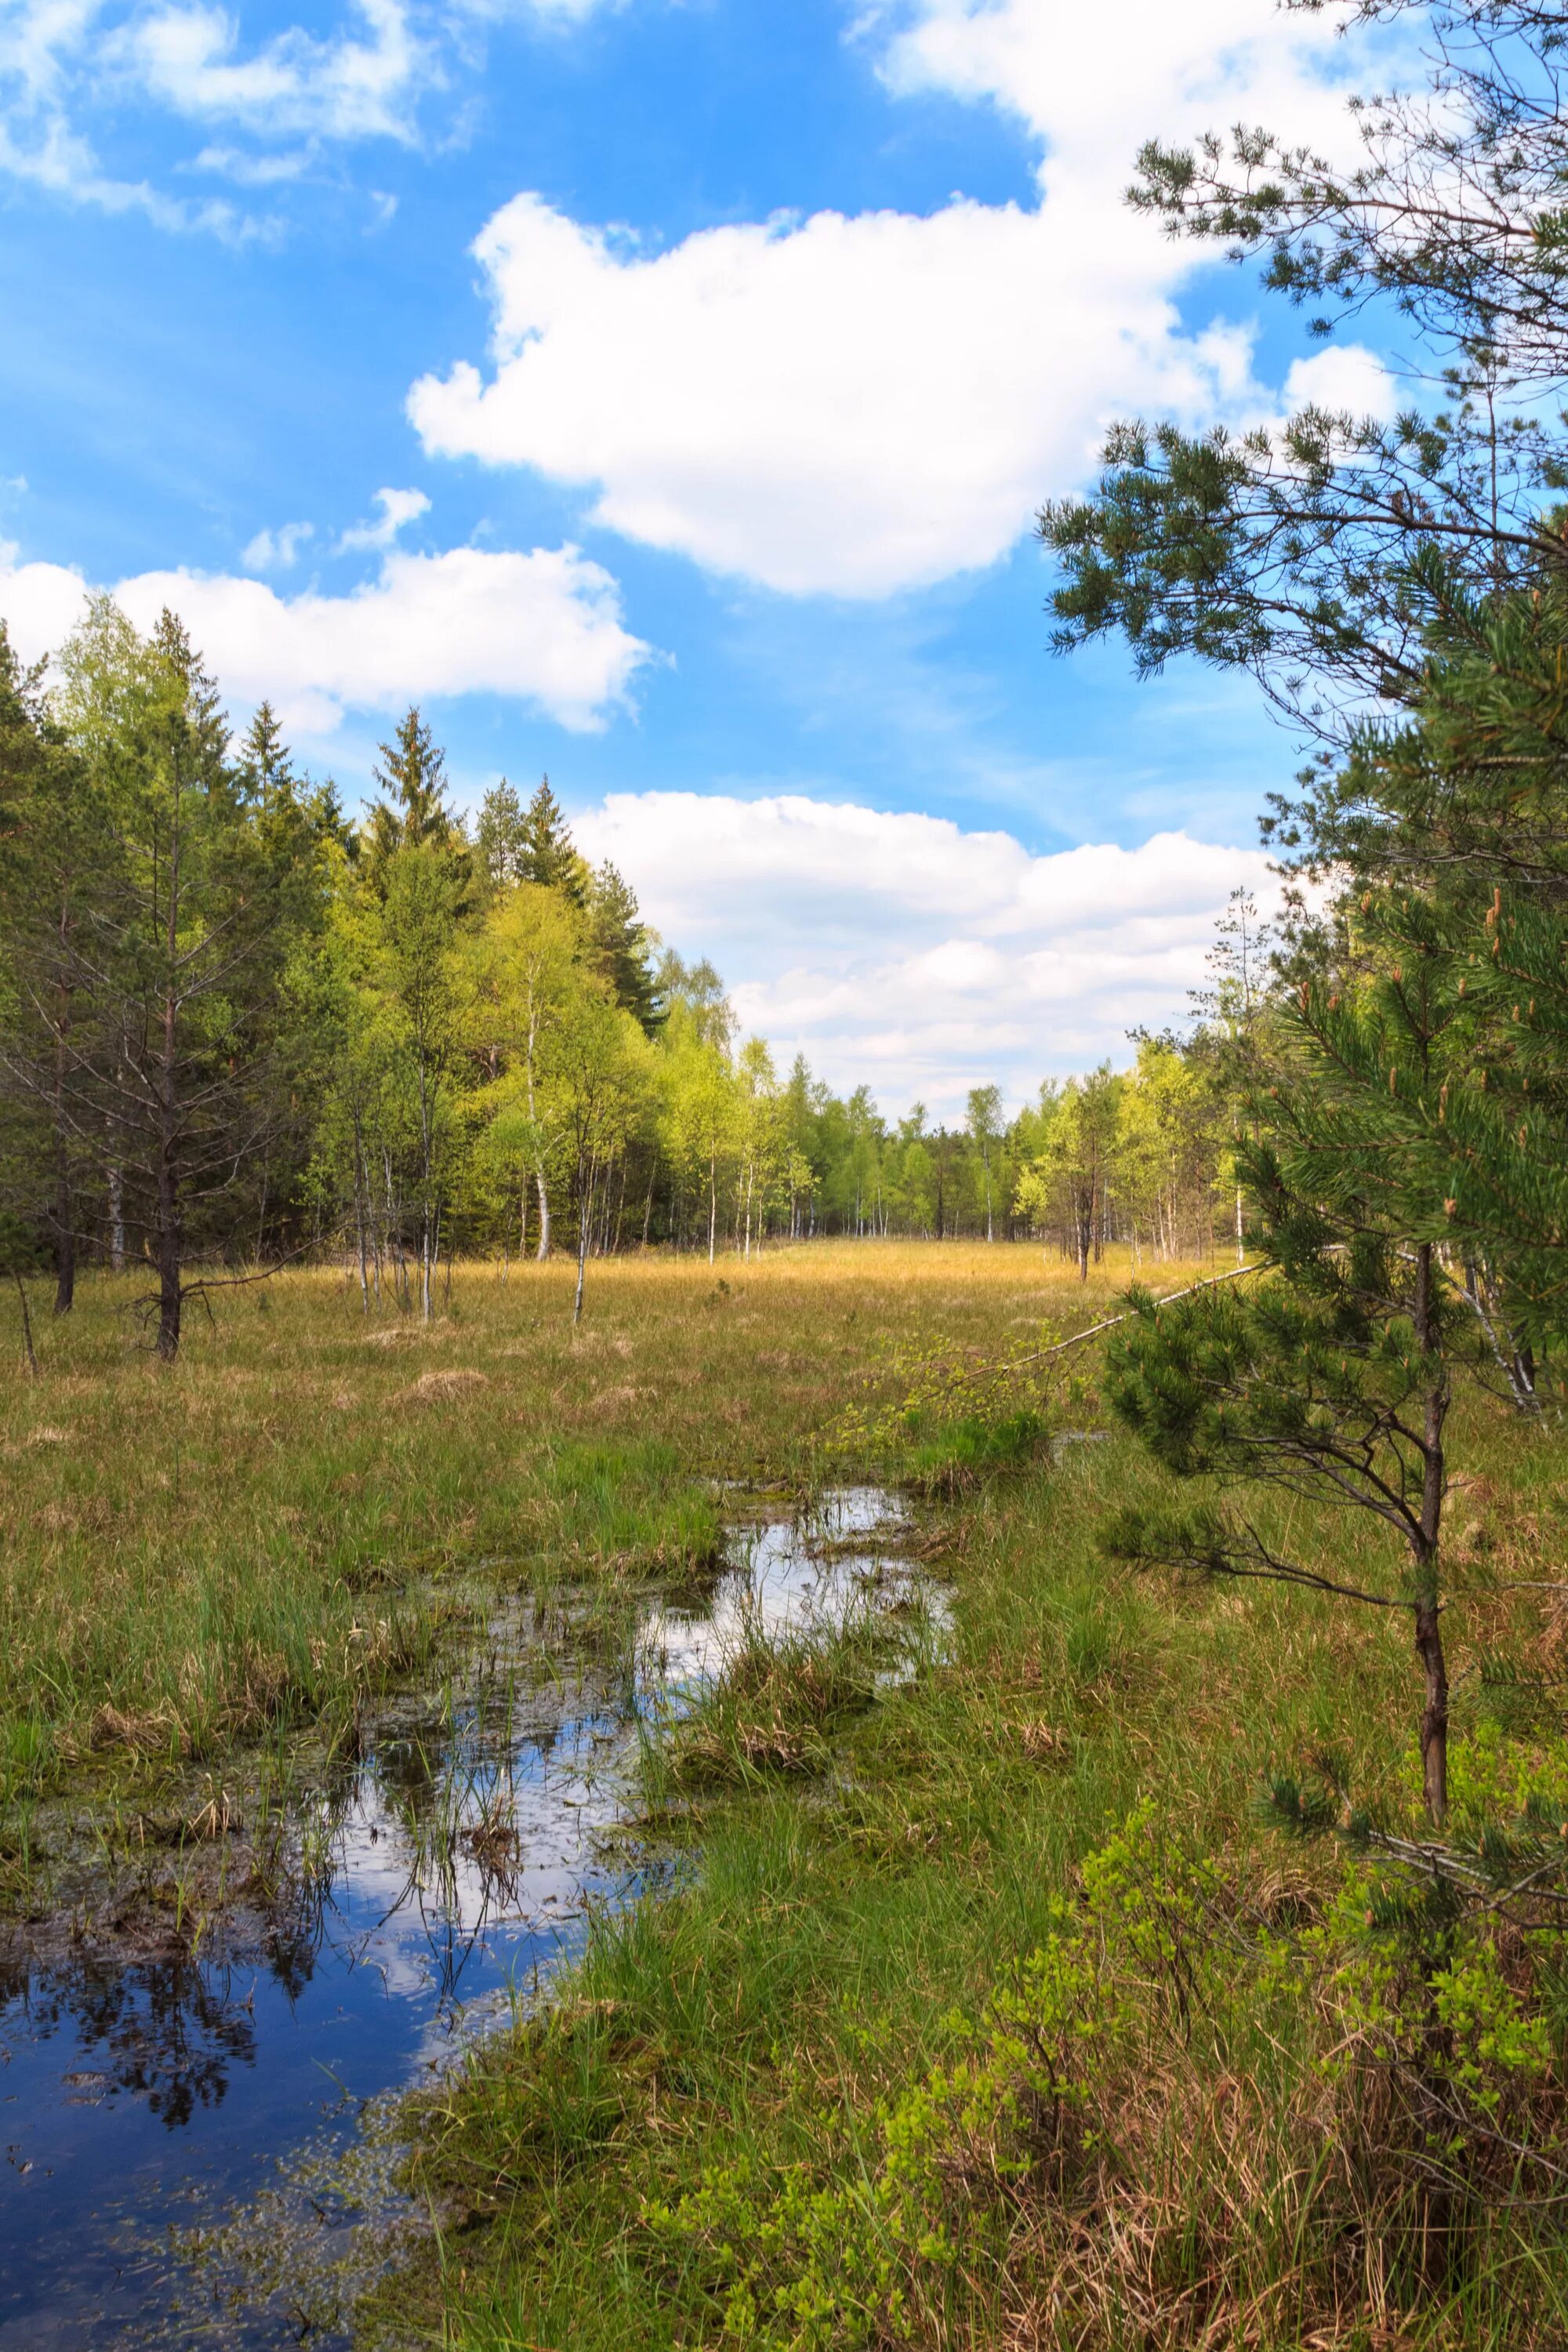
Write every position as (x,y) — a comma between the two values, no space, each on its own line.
(1331,1383)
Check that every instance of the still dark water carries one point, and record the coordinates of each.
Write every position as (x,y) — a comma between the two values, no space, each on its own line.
(200,2152)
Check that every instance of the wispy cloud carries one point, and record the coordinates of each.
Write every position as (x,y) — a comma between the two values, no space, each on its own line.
(398,508)
(252,171)
(278,550)
(356,84)
(68,69)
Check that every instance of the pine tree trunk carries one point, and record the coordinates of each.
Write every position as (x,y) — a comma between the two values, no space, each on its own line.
(1434,1714)
(1428,1621)
(29,1354)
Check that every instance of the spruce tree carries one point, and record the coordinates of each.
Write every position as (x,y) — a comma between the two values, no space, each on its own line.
(548,855)
(176,973)
(264,769)
(413,812)
(621,948)
(52,843)
(499,837)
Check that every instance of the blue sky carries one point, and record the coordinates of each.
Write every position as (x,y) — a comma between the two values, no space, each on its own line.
(659,391)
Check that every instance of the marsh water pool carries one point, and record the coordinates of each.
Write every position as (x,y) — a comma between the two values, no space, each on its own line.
(200,2144)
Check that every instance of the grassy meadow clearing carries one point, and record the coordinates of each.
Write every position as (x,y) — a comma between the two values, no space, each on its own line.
(989,2010)
(262,1530)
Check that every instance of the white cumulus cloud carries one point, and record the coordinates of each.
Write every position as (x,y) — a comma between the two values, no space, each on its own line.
(544,626)
(860,403)
(848,405)
(1093,83)
(899,949)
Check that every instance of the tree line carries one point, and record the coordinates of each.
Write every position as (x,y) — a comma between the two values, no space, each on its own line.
(237,1028)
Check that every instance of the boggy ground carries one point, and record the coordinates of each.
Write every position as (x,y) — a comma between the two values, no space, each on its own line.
(992,2012)
(281,1526)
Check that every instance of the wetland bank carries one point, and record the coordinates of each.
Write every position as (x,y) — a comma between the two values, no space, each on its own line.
(345,1781)
(545,1974)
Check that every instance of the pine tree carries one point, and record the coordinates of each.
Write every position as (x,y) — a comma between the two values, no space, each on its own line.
(1333,1383)
(1455,823)
(1302,554)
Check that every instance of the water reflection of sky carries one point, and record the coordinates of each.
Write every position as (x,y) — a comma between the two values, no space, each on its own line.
(140,2104)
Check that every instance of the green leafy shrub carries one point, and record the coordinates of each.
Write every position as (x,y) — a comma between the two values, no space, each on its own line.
(1136,2129)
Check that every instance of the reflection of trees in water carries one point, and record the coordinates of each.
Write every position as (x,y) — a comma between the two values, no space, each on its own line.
(171,2030)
